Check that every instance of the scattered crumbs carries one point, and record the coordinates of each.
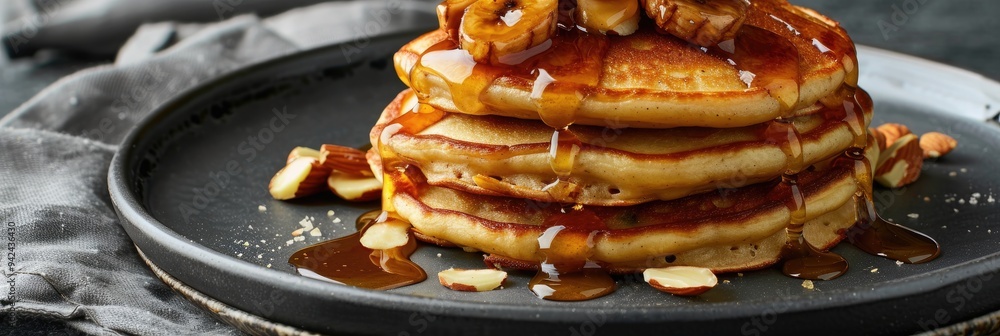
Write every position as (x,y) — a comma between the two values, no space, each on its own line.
(874,270)
(439,255)
(315,232)
(952,174)
(246,243)
(255,245)
(725,281)
(961,201)
(239,254)
(306,223)
(336,220)
(949,200)
(578,207)
(964,170)
(913,215)
(899,263)
(260,256)
(808,284)
(973,201)
(298,232)
(927,199)
(299,238)
(263,241)
(330,213)
(739,274)
(268,265)
(944,226)
(261,208)
(956,210)
(976,195)
(289,242)
(250,226)
(991,199)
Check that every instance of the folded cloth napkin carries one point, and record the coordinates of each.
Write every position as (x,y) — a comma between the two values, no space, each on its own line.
(71,264)
(99,27)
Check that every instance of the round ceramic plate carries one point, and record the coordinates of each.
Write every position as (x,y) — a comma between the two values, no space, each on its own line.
(190,184)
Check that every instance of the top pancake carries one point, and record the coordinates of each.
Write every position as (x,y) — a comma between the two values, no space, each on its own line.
(646,80)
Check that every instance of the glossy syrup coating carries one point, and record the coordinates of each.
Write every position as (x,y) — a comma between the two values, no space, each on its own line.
(564,70)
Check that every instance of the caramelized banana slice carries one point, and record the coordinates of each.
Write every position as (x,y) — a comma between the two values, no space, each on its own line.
(702,22)
(608,16)
(507,31)
(450,14)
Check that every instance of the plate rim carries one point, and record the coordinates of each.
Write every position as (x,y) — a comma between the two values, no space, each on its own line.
(133,213)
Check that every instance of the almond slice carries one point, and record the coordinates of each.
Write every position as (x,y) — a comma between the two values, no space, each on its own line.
(681,280)
(900,164)
(345,159)
(479,280)
(303,176)
(298,152)
(936,144)
(354,188)
(892,132)
(386,234)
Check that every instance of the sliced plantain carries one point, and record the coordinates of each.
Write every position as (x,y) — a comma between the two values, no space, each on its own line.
(702,22)
(450,14)
(507,31)
(619,17)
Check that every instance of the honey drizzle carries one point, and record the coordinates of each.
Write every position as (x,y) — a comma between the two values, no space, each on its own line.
(562,77)
(764,59)
(345,261)
(877,236)
(565,247)
(799,258)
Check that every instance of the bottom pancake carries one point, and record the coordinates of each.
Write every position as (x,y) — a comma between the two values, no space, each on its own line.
(726,230)
(823,232)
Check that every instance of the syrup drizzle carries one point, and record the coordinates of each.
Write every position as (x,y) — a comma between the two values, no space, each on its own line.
(877,236)
(346,261)
(799,258)
(766,60)
(563,150)
(563,79)
(566,273)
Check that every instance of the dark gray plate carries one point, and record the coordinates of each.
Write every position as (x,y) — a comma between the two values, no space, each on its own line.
(188,182)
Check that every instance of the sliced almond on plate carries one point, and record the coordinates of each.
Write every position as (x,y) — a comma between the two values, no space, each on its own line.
(478,280)
(353,187)
(303,176)
(386,234)
(298,152)
(681,280)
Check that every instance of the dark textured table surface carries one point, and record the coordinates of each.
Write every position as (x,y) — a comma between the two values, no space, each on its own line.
(960,33)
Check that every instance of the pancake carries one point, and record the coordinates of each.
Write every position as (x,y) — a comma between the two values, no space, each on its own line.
(694,230)
(502,156)
(644,80)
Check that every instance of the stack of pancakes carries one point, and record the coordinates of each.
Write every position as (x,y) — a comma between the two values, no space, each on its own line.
(662,152)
